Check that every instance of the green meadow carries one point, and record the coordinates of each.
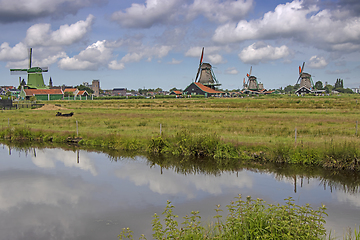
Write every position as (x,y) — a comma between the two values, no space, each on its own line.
(320,130)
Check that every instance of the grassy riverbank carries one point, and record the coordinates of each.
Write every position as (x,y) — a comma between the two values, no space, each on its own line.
(306,130)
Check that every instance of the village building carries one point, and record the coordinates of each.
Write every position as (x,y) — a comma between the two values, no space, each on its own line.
(71,91)
(197,88)
(81,95)
(75,93)
(177,93)
(119,91)
(303,90)
(42,94)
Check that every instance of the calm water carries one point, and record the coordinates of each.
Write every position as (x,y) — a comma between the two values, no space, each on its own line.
(58,194)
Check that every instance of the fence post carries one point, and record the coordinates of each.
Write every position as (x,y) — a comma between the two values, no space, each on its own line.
(295,135)
(160,129)
(356,128)
(77,129)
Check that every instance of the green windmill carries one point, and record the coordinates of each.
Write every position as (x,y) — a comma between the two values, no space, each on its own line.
(35,77)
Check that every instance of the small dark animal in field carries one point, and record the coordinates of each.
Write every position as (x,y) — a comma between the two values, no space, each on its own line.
(64,114)
(67,114)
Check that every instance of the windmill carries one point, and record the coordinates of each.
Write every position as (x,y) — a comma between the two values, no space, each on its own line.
(252,83)
(207,76)
(306,80)
(35,77)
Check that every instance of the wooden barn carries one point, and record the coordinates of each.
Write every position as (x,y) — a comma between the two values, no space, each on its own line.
(197,88)
(42,94)
(303,90)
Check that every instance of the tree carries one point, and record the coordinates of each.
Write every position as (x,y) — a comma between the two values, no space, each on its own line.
(175,89)
(319,85)
(68,94)
(339,83)
(289,89)
(328,88)
(82,88)
(32,99)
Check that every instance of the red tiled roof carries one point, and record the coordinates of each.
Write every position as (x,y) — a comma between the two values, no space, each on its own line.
(31,92)
(70,90)
(207,89)
(8,87)
(81,92)
(177,92)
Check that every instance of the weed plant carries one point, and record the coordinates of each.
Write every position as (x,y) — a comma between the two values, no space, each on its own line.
(246,219)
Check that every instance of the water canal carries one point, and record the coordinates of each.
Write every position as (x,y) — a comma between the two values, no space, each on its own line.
(52,193)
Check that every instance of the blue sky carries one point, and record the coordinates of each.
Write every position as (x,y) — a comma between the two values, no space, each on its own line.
(157,43)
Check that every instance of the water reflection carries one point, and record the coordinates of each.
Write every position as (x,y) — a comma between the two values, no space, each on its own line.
(72,193)
(346,181)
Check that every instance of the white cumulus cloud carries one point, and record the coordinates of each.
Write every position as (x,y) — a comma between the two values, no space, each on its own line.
(92,58)
(41,34)
(18,52)
(164,12)
(317,62)
(148,14)
(174,61)
(232,71)
(146,52)
(25,10)
(260,52)
(220,11)
(325,29)
(115,65)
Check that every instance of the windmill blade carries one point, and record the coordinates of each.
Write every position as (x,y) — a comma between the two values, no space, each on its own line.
(299,70)
(202,56)
(302,69)
(197,73)
(250,70)
(45,69)
(201,60)
(30,57)
(18,71)
(298,80)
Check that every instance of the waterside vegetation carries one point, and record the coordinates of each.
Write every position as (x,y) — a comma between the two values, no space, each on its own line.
(249,219)
(319,131)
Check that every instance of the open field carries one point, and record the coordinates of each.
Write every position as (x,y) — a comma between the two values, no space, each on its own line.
(251,122)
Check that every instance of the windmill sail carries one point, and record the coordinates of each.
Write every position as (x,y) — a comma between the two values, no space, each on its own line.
(18,71)
(201,60)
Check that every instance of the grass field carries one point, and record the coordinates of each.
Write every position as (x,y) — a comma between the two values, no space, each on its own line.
(252,122)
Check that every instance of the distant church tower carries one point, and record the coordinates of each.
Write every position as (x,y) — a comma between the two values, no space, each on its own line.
(95,86)
(50,83)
